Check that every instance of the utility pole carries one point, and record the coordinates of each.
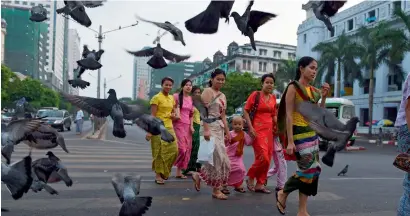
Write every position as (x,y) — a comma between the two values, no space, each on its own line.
(105,84)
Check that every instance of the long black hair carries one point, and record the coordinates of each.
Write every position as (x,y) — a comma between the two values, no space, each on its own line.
(303,62)
(214,74)
(181,93)
(194,88)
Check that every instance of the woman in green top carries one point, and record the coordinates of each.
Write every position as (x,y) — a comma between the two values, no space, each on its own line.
(196,120)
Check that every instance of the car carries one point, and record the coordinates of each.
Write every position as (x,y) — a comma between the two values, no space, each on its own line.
(128,122)
(59,119)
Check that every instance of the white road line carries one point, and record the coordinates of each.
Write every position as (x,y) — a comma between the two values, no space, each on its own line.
(365,178)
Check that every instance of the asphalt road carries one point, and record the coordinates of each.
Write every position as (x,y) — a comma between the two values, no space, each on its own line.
(372,186)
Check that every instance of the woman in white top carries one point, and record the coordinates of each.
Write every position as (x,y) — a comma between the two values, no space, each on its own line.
(402,123)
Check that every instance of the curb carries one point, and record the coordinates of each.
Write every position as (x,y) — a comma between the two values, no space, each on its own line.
(355,148)
(390,142)
(97,134)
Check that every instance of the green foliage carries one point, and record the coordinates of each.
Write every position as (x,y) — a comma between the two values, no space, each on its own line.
(286,73)
(238,87)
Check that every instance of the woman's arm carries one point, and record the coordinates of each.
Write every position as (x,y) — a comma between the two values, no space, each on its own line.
(247,109)
(225,122)
(154,109)
(290,106)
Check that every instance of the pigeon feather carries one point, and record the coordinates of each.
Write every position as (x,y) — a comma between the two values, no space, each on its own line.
(17,177)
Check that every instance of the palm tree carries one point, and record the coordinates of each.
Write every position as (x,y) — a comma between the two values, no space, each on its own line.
(405,18)
(380,45)
(343,52)
(285,73)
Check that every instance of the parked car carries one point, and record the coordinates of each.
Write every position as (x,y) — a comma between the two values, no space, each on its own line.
(128,122)
(59,119)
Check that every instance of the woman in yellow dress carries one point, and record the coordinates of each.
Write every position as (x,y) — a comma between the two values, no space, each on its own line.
(164,154)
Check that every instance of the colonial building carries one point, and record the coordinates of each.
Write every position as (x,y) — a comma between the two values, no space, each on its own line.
(387,93)
(243,58)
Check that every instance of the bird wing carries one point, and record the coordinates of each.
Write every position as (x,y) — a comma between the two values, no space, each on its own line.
(164,26)
(131,112)
(80,71)
(197,101)
(247,12)
(174,57)
(99,54)
(95,106)
(118,184)
(92,4)
(80,15)
(325,117)
(79,83)
(326,132)
(146,52)
(258,18)
(43,168)
(137,183)
(18,129)
(3,128)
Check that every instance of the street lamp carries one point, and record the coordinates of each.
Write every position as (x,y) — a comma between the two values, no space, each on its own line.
(105,83)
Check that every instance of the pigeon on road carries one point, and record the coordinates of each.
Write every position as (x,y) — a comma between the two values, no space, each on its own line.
(323,10)
(17,177)
(207,22)
(250,21)
(344,171)
(46,137)
(90,59)
(15,132)
(176,32)
(325,123)
(38,13)
(127,189)
(158,54)
(76,10)
(107,107)
(155,126)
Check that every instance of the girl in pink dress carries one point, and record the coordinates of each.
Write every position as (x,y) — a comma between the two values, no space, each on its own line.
(184,127)
(280,169)
(234,149)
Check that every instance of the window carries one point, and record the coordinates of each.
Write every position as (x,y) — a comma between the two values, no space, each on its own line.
(264,66)
(334,110)
(33,4)
(260,66)
(396,5)
(371,16)
(291,56)
(275,67)
(277,54)
(350,25)
(249,65)
(24,3)
(244,64)
(263,52)
(332,34)
(304,38)
(366,87)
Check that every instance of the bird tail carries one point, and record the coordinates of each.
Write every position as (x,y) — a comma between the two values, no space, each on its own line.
(89,64)
(252,38)
(61,142)
(207,22)
(50,190)
(135,207)
(166,135)
(119,130)
(157,62)
(63,10)
(6,152)
(21,183)
(329,157)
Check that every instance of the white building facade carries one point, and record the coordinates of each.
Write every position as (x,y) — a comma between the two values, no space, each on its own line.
(387,94)
(56,35)
(74,54)
(141,77)
(3,37)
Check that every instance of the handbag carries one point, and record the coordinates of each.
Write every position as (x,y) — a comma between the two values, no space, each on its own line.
(206,151)
(402,161)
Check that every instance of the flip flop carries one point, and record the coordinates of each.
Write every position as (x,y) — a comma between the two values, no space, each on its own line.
(240,190)
(225,191)
(159,182)
(281,205)
(263,190)
(181,177)
(250,186)
(197,182)
(163,177)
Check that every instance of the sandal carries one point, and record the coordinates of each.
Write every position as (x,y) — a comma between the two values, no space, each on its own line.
(263,190)
(220,196)
(159,181)
(181,177)
(279,205)
(266,183)
(250,186)
(240,190)
(163,177)
(197,182)
(225,191)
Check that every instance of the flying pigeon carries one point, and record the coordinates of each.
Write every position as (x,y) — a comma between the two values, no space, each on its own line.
(78,83)
(38,13)
(15,132)
(158,54)
(17,177)
(90,59)
(250,21)
(323,10)
(155,126)
(76,10)
(325,123)
(107,107)
(207,22)
(127,188)
(49,170)
(176,32)
(344,171)
(46,137)
(93,4)
(79,71)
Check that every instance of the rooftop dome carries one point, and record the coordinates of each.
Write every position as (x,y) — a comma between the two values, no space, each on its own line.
(207,60)
(233,44)
(218,53)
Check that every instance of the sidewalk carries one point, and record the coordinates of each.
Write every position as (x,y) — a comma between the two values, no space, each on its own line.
(371,139)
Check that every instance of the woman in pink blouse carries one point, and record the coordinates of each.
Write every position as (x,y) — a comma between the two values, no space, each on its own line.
(184,127)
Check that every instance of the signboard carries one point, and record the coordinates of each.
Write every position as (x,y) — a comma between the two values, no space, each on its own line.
(371,19)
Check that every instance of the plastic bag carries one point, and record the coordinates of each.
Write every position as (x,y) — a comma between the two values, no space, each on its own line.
(206,151)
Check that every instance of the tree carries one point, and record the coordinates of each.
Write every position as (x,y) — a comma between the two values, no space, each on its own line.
(343,52)
(286,73)
(7,79)
(380,45)
(237,88)
(50,98)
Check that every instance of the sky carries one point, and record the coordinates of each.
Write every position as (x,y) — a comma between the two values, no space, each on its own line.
(117,62)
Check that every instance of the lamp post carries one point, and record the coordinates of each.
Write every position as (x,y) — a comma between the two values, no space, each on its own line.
(105,83)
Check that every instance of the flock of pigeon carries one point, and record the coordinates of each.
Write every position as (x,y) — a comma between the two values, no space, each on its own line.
(26,174)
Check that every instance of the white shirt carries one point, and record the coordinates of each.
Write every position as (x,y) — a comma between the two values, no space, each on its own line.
(80,115)
(401,114)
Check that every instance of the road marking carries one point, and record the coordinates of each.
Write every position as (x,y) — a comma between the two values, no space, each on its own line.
(379,213)
(365,178)
(62,156)
(125,143)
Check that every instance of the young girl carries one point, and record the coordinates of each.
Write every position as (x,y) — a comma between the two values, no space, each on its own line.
(280,165)
(234,149)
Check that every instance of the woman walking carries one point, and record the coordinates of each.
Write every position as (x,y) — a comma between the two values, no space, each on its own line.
(193,166)
(183,126)
(216,127)
(262,105)
(302,141)
(403,145)
(163,153)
